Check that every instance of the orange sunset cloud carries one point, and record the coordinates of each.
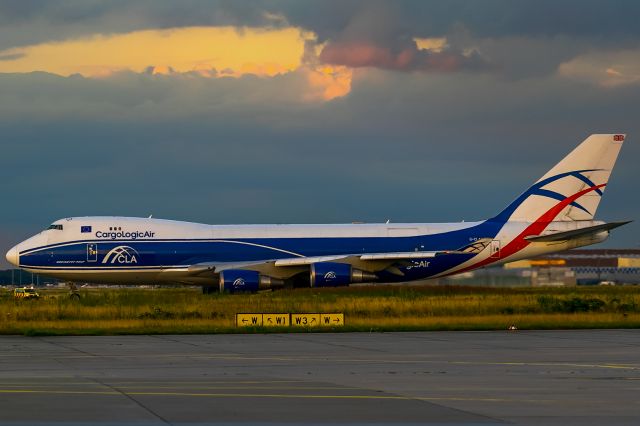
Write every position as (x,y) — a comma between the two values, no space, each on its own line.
(203,51)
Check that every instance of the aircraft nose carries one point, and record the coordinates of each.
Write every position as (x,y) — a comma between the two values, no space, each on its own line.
(12,256)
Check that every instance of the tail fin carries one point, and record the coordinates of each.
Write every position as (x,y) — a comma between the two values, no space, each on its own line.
(572,189)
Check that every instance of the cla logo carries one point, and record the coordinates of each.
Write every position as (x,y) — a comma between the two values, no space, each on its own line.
(122,255)
(238,282)
(330,275)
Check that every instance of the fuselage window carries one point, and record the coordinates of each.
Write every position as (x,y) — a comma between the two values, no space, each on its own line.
(54,226)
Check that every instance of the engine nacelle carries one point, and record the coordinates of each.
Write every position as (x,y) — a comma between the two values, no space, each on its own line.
(240,280)
(334,274)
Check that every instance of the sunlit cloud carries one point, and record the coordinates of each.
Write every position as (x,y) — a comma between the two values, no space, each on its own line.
(434,44)
(209,51)
(328,82)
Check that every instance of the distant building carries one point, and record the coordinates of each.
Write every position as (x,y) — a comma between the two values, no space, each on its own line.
(574,267)
(586,267)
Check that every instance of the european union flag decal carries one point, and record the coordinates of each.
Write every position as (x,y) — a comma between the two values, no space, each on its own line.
(84,229)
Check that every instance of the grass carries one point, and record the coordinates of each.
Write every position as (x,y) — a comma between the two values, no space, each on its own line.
(377,308)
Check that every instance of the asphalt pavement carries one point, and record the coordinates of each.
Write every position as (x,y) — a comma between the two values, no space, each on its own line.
(453,378)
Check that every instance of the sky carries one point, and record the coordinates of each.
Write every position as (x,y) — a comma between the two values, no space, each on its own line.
(308,111)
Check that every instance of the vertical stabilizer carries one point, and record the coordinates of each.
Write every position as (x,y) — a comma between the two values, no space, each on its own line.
(574,187)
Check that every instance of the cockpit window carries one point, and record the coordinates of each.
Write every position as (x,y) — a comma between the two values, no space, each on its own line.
(54,226)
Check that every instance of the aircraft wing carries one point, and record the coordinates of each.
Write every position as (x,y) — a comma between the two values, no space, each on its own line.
(370,262)
(576,233)
(296,261)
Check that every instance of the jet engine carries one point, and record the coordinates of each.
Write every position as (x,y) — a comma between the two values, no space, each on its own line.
(333,274)
(240,280)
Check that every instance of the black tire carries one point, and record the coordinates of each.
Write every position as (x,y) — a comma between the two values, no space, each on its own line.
(74,296)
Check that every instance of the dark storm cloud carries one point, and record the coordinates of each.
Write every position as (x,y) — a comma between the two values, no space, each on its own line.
(37,21)
(490,18)
(499,18)
(518,39)
(364,19)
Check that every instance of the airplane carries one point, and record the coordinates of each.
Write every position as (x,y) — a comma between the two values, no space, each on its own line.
(556,213)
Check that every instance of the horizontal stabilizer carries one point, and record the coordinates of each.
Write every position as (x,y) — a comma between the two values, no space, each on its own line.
(576,233)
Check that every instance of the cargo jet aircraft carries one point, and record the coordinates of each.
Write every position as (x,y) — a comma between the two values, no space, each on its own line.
(556,213)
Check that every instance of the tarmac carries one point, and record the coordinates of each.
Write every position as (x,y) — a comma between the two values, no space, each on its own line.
(452,378)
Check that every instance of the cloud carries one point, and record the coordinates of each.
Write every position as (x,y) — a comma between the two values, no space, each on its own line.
(30,22)
(407,58)
(375,37)
(513,38)
(375,33)
(607,69)
(200,52)
(328,82)
(433,44)
(181,50)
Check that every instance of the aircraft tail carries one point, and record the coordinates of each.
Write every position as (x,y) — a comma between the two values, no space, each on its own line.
(571,190)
